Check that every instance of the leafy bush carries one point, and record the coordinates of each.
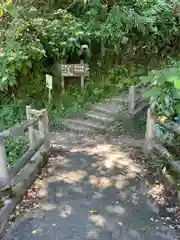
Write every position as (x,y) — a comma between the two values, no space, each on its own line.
(15,147)
(130,27)
(37,34)
(31,40)
(165,92)
(12,114)
(165,99)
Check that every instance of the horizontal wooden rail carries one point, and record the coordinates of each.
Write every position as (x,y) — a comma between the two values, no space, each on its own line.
(18,130)
(36,141)
(151,143)
(163,152)
(171,126)
(15,168)
(142,90)
(138,85)
(142,106)
(142,84)
(136,102)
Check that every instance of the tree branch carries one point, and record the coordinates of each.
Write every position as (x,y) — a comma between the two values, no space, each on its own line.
(71,5)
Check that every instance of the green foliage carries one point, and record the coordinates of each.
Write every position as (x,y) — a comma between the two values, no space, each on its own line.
(10,115)
(32,40)
(75,101)
(148,27)
(161,165)
(165,92)
(1,203)
(164,97)
(15,147)
(36,34)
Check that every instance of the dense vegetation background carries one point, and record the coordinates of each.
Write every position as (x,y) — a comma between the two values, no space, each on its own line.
(121,40)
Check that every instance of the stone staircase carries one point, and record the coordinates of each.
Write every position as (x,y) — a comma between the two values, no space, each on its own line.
(100,115)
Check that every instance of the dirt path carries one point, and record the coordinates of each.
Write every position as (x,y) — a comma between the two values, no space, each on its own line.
(94,190)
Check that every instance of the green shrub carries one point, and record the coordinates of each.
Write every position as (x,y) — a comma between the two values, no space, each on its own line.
(35,38)
(36,35)
(164,99)
(15,147)
(11,113)
(165,92)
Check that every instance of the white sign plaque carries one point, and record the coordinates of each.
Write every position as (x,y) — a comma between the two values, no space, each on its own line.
(49,81)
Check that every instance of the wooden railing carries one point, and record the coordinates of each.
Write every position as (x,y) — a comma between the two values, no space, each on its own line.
(38,139)
(136,101)
(153,144)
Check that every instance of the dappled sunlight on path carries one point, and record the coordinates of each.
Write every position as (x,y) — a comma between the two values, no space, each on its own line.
(95,190)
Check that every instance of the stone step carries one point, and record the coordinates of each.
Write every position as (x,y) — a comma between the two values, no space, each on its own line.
(99,116)
(83,125)
(69,139)
(119,99)
(104,110)
(77,128)
(109,108)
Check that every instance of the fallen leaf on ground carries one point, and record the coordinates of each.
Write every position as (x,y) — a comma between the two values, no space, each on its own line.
(93,211)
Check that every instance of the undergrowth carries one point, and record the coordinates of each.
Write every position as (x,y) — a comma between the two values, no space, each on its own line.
(164,99)
(12,113)
(36,35)
(162,167)
(71,104)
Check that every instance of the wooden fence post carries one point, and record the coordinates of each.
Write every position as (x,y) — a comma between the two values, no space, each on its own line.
(31,132)
(5,183)
(102,49)
(62,78)
(82,77)
(150,132)
(132,99)
(44,129)
(62,85)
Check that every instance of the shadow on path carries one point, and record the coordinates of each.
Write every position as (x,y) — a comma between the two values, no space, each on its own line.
(96,191)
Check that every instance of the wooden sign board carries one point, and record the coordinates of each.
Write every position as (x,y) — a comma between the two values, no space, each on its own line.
(75,70)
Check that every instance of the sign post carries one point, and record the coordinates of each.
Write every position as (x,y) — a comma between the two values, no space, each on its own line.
(49,85)
(74,70)
(82,77)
